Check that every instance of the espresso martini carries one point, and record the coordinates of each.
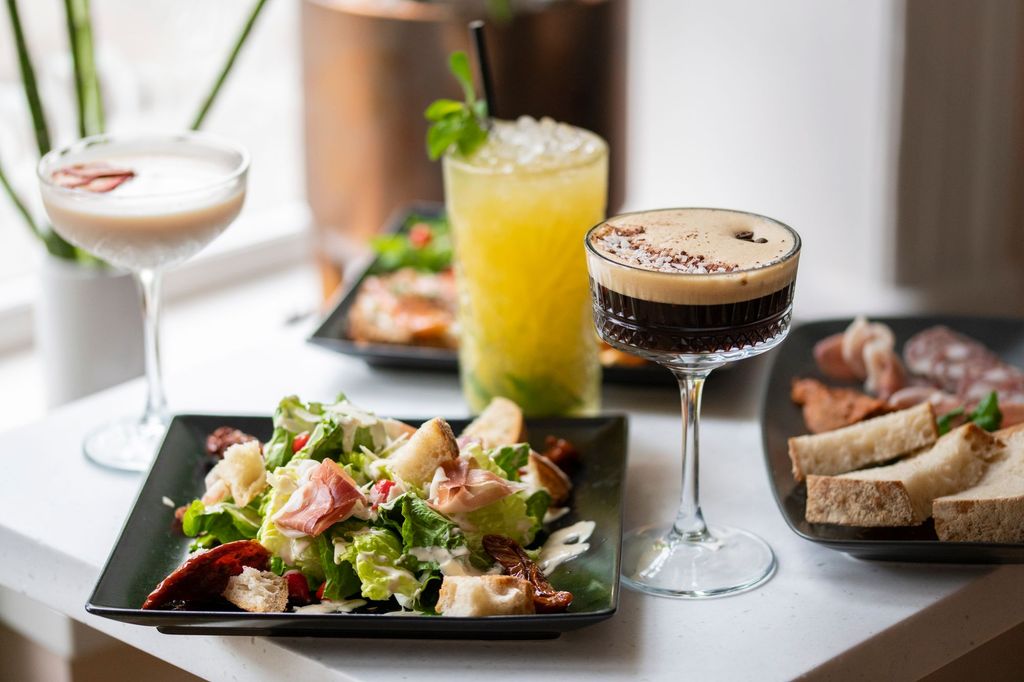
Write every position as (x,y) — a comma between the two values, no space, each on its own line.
(693,289)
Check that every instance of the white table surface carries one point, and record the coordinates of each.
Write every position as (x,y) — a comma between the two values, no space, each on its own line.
(823,612)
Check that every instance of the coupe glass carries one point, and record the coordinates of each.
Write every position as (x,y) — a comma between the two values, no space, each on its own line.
(691,323)
(184,190)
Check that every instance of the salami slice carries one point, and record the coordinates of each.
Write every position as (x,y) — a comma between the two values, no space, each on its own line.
(962,366)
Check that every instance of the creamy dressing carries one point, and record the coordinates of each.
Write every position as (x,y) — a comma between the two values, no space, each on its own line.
(555,513)
(380,563)
(451,562)
(564,545)
(326,606)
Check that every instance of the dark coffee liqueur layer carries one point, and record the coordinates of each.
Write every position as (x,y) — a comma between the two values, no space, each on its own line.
(680,328)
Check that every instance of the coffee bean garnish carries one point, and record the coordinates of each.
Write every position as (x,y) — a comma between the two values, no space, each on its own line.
(748,236)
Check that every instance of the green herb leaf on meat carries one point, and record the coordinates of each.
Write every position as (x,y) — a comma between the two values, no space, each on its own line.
(945,422)
(987,414)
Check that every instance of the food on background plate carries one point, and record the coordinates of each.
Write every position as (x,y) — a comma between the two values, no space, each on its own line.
(874,441)
(405,307)
(992,510)
(826,408)
(901,494)
(940,366)
(970,481)
(342,510)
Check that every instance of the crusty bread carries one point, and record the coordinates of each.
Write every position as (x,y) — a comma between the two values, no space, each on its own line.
(259,591)
(431,445)
(859,445)
(485,595)
(541,472)
(901,494)
(242,472)
(501,423)
(396,429)
(993,510)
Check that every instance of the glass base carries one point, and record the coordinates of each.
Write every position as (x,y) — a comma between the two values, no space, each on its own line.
(660,561)
(126,444)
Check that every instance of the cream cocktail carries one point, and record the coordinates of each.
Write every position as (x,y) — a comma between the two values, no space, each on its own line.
(179,197)
(142,203)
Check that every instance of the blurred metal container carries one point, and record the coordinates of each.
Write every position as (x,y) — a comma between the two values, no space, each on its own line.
(370,68)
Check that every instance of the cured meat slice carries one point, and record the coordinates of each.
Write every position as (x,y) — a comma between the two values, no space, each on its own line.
(962,366)
(828,408)
(459,486)
(828,354)
(328,496)
(201,579)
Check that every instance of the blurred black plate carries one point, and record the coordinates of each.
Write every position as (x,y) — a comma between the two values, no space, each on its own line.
(333,330)
(148,549)
(781,419)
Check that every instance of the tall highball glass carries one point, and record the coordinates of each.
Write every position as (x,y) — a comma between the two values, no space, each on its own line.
(693,289)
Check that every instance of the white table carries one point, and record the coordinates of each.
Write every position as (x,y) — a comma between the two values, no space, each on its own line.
(822,612)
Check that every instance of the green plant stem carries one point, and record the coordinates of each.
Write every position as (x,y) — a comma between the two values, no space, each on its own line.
(28,77)
(226,70)
(83,56)
(20,205)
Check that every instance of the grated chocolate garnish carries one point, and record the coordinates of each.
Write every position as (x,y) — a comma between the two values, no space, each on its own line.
(630,245)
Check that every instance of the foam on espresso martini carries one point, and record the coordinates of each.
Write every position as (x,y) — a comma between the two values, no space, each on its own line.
(692,281)
(144,203)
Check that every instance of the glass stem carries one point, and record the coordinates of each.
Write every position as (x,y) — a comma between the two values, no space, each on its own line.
(156,402)
(689,519)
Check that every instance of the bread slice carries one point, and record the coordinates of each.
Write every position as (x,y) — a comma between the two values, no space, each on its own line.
(501,423)
(542,473)
(485,595)
(859,445)
(901,494)
(993,510)
(417,460)
(258,591)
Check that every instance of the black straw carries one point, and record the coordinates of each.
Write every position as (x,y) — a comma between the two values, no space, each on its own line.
(476,29)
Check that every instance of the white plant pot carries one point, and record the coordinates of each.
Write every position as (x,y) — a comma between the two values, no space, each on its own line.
(88,329)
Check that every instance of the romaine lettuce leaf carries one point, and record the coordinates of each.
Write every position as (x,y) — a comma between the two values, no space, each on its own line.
(376,554)
(508,516)
(341,579)
(511,458)
(222,522)
(291,418)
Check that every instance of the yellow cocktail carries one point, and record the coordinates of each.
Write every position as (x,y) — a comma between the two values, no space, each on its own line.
(519,207)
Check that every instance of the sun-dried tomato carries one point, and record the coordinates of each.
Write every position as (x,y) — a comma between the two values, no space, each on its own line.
(516,562)
(562,452)
(201,579)
(223,438)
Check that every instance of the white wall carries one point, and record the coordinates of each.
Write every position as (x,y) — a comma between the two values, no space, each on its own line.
(788,108)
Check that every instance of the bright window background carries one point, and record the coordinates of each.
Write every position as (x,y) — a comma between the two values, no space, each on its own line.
(158,60)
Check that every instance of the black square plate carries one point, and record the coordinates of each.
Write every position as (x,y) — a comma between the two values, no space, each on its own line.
(148,549)
(333,331)
(781,419)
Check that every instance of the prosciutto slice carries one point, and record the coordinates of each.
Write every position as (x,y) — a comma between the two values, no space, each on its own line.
(328,496)
(459,486)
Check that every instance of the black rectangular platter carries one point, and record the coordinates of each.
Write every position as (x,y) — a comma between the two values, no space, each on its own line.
(781,419)
(148,549)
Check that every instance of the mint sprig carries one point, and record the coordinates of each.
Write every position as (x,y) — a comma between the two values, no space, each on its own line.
(463,124)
